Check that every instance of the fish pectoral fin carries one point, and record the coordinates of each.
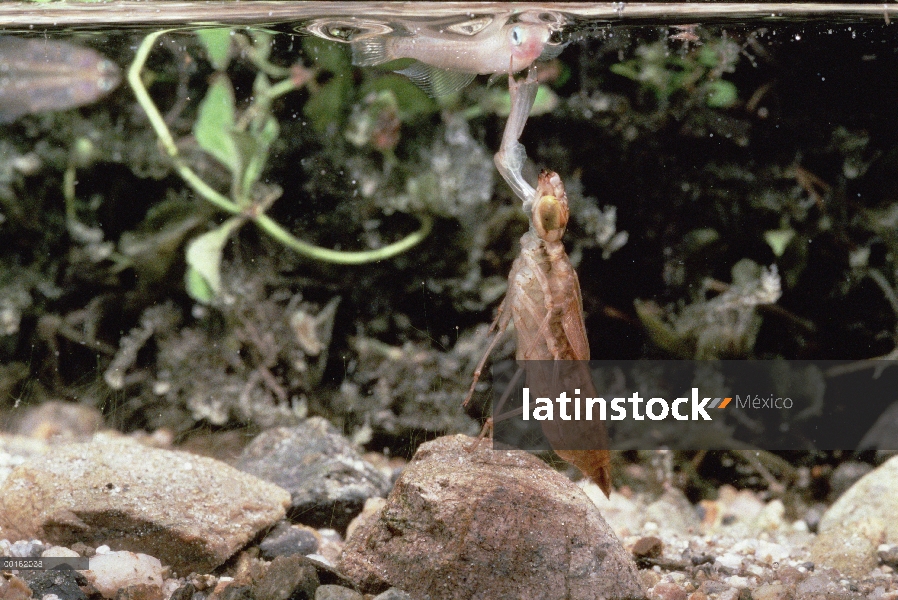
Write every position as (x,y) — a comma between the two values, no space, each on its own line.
(370,51)
(494,78)
(436,82)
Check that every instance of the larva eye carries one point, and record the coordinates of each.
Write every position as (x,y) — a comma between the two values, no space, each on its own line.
(517,36)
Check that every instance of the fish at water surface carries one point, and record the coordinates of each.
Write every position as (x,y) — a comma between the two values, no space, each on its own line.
(448,57)
(38,75)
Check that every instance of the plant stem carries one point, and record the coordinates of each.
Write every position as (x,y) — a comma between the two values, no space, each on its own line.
(342,257)
(165,137)
(266,223)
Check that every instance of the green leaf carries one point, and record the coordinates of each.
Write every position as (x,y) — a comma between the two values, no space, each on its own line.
(329,104)
(626,69)
(721,94)
(214,126)
(204,259)
(217,43)
(328,56)
(197,288)
(778,240)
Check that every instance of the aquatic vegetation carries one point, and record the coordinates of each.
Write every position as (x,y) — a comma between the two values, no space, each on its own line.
(725,326)
(241,143)
(697,72)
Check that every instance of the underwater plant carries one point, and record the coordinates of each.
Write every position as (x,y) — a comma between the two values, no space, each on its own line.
(241,142)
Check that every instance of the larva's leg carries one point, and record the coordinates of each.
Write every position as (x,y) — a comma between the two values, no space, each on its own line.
(489,425)
(500,324)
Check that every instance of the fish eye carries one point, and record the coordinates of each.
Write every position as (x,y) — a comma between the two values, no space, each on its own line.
(516,36)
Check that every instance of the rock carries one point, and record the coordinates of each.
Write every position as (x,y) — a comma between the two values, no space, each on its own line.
(666,590)
(336,592)
(773,591)
(624,515)
(331,546)
(327,479)
(23,549)
(874,495)
(65,584)
(236,592)
(287,577)
(713,587)
(140,591)
(185,592)
(68,420)
(850,549)
(59,552)
(860,520)
(490,524)
(673,513)
(286,539)
(372,508)
(819,587)
(16,449)
(730,593)
(648,547)
(189,511)
(888,555)
(114,571)
(846,475)
(14,589)
(392,594)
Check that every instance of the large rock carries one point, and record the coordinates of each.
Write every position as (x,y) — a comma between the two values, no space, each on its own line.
(189,511)
(860,520)
(488,524)
(327,479)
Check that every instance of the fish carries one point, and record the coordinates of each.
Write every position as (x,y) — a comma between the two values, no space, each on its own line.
(447,57)
(40,75)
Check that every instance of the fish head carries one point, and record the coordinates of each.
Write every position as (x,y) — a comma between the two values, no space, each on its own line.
(550,212)
(108,76)
(527,42)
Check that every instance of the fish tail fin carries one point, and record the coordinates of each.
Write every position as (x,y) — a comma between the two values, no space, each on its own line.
(434,81)
(370,51)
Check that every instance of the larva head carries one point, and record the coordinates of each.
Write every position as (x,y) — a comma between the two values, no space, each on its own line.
(550,210)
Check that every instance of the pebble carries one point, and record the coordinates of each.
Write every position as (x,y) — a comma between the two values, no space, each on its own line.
(56,419)
(851,548)
(730,561)
(59,551)
(14,589)
(667,591)
(674,514)
(456,519)
(287,577)
(888,555)
(336,592)
(286,539)
(113,571)
(65,584)
(846,475)
(327,479)
(875,495)
(372,508)
(141,591)
(392,594)
(648,547)
(729,594)
(189,511)
(774,591)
